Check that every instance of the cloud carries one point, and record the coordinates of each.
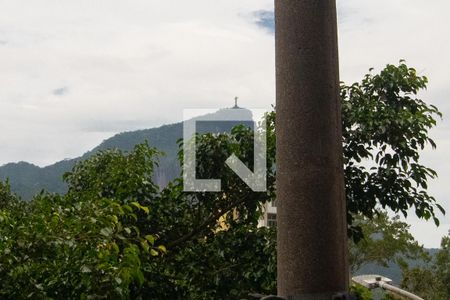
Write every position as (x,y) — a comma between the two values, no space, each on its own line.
(373,34)
(141,62)
(60,91)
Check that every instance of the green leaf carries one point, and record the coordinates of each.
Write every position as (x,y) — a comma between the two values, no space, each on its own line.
(162,248)
(150,239)
(107,232)
(139,206)
(145,245)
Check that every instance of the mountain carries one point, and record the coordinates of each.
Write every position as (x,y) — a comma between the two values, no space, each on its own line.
(27,180)
(393,270)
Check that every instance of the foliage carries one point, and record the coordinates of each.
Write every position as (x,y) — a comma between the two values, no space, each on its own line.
(116,234)
(360,292)
(103,238)
(215,249)
(385,240)
(385,126)
(81,245)
(7,198)
(432,281)
(111,174)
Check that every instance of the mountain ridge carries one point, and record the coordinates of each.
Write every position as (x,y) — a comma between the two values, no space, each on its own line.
(27,179)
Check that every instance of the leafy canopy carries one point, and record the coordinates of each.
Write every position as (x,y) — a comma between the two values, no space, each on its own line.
(115,234)
(385,126)
(431,281)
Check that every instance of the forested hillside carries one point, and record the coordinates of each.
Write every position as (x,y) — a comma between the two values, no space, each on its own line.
(393,270)
(27,179)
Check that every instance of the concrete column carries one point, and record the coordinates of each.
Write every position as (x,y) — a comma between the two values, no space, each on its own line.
(312,239)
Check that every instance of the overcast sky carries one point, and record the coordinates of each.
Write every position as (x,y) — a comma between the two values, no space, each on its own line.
(74,72)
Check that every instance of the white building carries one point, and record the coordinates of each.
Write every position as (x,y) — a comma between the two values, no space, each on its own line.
(269,218)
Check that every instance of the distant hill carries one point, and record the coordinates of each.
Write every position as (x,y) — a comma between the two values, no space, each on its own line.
(392,271)
(27,180)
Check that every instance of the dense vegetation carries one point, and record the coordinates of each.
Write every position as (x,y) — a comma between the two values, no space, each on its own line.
(116,234)
(431,281)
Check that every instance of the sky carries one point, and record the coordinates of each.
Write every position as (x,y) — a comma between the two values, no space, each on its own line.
(75,72)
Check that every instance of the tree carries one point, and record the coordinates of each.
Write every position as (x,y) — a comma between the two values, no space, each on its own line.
(81,245)
(385,240)
(433,280)
(116,234)
(7,198)
(103,237)
(215,249)
(385,126)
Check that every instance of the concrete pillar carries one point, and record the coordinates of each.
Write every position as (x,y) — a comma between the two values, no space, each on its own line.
(312,239)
